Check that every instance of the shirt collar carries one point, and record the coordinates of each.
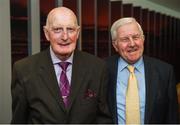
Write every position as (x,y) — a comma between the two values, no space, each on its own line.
(56,60)
(138,64)
(123,64)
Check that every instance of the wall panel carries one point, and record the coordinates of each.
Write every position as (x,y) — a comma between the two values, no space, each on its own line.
(102,28)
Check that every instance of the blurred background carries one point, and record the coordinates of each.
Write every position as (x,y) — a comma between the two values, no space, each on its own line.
(22,21)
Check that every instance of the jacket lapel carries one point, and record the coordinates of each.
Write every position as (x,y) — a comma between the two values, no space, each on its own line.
(113,67)
(78,72)
(151,81)
(48,76)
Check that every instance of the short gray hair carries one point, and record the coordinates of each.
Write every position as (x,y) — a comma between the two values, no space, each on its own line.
(120,22)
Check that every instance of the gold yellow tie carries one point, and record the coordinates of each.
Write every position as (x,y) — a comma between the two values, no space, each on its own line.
(132,99)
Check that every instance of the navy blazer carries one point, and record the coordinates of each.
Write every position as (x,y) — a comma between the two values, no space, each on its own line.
(161,104)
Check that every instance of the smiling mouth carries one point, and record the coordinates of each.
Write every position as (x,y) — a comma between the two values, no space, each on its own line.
(66,44)
(133,50)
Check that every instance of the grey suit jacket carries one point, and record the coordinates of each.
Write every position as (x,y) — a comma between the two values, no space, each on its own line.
(36,97)
(161,104)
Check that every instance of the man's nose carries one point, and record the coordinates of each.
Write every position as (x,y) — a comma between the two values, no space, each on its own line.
(131,41)
(64,35)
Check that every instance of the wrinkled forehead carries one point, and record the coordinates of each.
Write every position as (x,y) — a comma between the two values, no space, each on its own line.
(128,29)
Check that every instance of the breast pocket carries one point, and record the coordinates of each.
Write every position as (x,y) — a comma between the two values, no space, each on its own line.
(89,101)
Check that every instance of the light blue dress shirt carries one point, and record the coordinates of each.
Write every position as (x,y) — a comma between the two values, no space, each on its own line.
(122,81)
(58,69)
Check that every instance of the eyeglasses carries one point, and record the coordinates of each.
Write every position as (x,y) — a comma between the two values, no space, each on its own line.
(68,30)
(128,39)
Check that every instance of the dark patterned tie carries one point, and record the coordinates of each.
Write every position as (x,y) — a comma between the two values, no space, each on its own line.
(64,83)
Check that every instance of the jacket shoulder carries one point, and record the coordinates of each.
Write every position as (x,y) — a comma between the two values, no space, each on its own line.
(157,62)
(30,61)
(90,59)
(112,60)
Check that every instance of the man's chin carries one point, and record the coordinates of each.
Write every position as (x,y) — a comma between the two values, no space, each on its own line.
(63,55)
(132,61)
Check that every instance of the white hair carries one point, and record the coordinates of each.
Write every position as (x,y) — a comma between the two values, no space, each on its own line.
(120,22)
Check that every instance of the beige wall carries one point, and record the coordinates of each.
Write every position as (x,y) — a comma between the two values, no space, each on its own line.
(5,62)
(152,6)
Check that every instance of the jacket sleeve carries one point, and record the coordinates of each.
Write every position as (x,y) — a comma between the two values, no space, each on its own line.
(19,102)
(173,116)
(104,115)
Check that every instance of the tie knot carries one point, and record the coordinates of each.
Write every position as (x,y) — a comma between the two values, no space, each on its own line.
(131,68)
(64,65)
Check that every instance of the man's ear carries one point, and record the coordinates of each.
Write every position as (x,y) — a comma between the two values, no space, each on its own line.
(143,37)
(114,43)
(78,31)
(46,33)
